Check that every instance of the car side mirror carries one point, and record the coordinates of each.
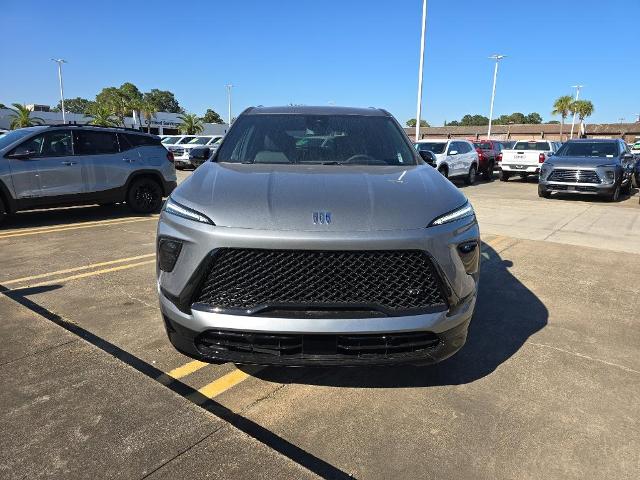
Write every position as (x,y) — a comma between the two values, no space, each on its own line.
(453,152)
(22,155)
(627,156)
(428,156)
(550,154)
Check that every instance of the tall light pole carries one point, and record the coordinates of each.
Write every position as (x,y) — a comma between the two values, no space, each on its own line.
(497,58)
(573,122)
(60,61)
(421,68)
(229,87)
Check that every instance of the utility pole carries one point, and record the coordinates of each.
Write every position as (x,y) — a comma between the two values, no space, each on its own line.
(60,61)
(573,122)
(229,87)
(497,58)
(421,68)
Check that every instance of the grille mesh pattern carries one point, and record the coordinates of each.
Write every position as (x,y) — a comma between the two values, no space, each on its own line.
(388,281)
(574,176)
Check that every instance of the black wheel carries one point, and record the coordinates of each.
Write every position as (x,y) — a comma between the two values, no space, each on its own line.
(3,211)
(626,190)
(444,172)
(487,175)
(615,196)
(543,193)
(504,176)
(471,176)
(145,196)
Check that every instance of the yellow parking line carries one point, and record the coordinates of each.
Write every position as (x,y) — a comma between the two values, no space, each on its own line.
(225,382)
(93,222)
(498,242)
(187,369)
(75,269)
(75,227)
(90,274)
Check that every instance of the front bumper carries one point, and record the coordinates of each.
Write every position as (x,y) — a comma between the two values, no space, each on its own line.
(579,188)
(186,325)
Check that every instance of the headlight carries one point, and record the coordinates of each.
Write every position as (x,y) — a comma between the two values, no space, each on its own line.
(609,172)
(545,169)
(464,211)
(175,208)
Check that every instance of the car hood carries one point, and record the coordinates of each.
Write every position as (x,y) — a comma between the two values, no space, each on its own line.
(285,197)
(580,162)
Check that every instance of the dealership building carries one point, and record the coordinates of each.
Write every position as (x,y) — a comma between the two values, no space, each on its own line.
(162,123)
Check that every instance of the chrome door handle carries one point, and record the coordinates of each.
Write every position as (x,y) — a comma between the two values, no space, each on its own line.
(68,164)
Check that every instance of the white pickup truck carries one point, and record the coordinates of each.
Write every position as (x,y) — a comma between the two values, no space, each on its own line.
(525,158)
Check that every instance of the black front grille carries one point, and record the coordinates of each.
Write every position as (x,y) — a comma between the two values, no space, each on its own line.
(252,280)
(268,346)
(574,176)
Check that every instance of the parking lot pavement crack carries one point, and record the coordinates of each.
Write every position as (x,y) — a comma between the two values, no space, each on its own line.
(556,230)
(586,357)
(38,352)
(263,398)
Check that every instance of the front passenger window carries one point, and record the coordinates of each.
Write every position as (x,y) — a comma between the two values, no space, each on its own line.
(51,144)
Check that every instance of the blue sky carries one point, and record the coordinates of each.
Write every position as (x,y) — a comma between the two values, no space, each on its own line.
(351,52)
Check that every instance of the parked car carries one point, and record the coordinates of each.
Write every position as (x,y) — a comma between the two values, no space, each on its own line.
(455,158)
(588,167)
(488,153)
(635,149)
(348,251)
(50,166)
(181,150)
(201,154)
(525,158)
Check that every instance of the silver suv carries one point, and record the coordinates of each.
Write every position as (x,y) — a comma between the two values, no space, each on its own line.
(49,166)
(317,235)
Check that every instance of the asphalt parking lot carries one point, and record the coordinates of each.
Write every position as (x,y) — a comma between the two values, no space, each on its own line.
(546,387)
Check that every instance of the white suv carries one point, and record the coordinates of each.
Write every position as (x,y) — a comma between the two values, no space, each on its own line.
(181,151)
(454,158)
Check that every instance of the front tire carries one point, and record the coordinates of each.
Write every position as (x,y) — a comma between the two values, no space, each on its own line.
(487,175)
(504,176)
(615,196)
(543,193)
(3,211)
(444,172)
(626,190)
(144,196)
(471,176)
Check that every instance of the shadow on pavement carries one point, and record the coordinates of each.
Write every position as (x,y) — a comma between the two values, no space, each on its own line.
(68,216)
(507,314)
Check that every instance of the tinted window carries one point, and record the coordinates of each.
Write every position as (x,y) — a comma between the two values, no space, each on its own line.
(482,145)
(588,149)
(300,139)
(435,147)
(51,144)
(532,146)
(88,142)
(170,140)
(184,140)
(131,140)
(8,138)
(199,141)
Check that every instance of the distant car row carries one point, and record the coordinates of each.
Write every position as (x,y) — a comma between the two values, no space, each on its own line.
(182,145)
(604,167)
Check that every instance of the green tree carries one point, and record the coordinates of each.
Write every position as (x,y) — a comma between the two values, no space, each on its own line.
(211,116)
(534,117)
(474,120)
(73,105)
(412,123)
(21,117)
(120,100)
(101,115)
(583,108)
(2,105)
(191,124)
(453,123)
(149,110)
(562,107)
(164,101)
(517,117)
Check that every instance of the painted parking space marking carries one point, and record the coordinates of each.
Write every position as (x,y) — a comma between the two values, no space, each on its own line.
(187,369)
(4,235)
(75,269)
(74,224)
(226,382)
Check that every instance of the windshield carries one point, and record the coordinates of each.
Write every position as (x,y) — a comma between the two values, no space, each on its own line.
(184,140)
(482,146)
(198,141)
(319,139)
(170,140)
(435,147)
(10,137)
(636,146)
(588,149)
(532,146)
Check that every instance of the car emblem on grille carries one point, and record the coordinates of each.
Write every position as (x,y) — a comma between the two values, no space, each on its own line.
(321,218)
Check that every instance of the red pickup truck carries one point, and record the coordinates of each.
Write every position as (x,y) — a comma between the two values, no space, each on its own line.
(488,151)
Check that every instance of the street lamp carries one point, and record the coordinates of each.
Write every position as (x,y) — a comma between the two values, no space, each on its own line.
(60,61)
(421,68)
(573,122)
(229,87)
(497,58)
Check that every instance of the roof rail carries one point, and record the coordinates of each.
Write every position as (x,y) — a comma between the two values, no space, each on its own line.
(95,126)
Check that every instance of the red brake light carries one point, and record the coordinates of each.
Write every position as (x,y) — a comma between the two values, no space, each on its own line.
(479,153)
(170,156)
(500,157)
(541,158)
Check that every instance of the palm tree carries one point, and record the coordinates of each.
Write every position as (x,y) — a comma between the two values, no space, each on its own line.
(562,107)
(101,115)
(191,124)
(149,110)
(584,109)
(22,117)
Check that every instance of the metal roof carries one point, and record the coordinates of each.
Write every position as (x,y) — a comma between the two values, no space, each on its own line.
(317,110)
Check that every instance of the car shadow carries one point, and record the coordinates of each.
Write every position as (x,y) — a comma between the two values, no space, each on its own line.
(67,216)
(507,313)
